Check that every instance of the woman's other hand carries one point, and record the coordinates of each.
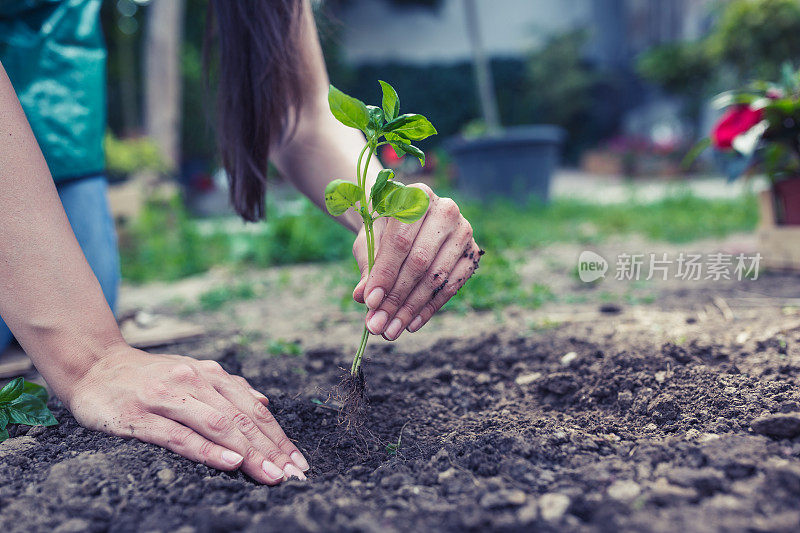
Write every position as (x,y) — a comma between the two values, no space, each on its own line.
(189,406)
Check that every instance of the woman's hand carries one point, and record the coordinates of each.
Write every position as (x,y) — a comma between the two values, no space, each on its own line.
(191,407)
(418,267)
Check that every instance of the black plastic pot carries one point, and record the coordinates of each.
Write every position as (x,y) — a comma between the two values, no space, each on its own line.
(517,163)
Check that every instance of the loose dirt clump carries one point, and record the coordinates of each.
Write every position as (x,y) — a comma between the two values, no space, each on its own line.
(500,432)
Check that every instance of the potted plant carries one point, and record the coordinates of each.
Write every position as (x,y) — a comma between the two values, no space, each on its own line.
(760,132)
(513,162)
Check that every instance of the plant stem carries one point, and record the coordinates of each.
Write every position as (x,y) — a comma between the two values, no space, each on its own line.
(370,236)
(360,353)
(358,169)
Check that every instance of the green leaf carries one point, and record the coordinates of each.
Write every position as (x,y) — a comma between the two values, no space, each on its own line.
(391,102)
(348,110)
(383,176)
(340,195)
(409,149)
(411,126)
(407,204)
(12,390)
(375,117)
(393,138)
(30,410)
(3,419)
(3,434)
(36,390)
(379,199)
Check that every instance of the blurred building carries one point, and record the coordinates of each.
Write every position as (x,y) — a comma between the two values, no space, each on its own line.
(432,32)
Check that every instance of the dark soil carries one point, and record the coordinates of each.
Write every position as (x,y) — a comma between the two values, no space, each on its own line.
(501,433)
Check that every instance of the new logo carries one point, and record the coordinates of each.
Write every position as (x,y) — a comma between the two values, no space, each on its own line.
(591,266)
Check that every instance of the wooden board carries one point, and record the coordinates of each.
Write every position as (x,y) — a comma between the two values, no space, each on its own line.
(164,331)
(13,363)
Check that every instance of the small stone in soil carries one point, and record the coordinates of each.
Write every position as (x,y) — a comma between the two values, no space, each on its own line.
(568,358)
(527,379)
(624,490)
(73,525)
(707,437)
(553,506)
(781,425)
(502,498)
(166,475)
(483,378)
(662,491)
(528,512)
(447,475)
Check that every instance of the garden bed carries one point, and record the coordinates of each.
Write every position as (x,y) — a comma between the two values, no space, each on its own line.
(592,426)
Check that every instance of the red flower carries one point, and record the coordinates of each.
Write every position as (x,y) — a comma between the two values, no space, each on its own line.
(389,157)
(736,121)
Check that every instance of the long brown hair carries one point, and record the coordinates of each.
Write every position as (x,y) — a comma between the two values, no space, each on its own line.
(259,89)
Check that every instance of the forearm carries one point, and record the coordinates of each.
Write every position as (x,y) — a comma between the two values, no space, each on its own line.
(321,148)
(49,296)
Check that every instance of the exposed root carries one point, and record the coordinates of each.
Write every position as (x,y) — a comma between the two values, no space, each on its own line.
(351,395)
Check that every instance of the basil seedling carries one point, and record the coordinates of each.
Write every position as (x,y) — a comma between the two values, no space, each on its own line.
(23,402)
(387,197)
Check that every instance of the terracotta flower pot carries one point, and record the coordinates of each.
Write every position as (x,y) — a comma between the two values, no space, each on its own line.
(787,200)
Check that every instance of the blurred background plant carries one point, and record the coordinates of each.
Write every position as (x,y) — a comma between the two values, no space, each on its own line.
(748,39)
(629,81)
(129,156)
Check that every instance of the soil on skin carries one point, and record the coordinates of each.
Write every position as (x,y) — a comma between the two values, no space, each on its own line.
(587,427)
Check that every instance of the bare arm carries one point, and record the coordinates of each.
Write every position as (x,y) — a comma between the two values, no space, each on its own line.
(53,303)
(49,296)
(321,148)
(418,266)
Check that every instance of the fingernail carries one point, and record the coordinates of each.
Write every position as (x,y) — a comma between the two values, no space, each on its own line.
(272,471)
(359,286)
(299,460)
(256,393)
(394,329)
(415,324)
(376,323)
(293,471)
(375,298)
(232,458)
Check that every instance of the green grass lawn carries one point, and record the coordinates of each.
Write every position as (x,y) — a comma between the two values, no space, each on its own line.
(678,218)
(166,244)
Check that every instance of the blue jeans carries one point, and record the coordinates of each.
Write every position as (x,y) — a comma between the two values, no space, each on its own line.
(87,208)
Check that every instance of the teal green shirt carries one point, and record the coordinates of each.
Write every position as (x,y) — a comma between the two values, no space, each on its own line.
(55,55)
